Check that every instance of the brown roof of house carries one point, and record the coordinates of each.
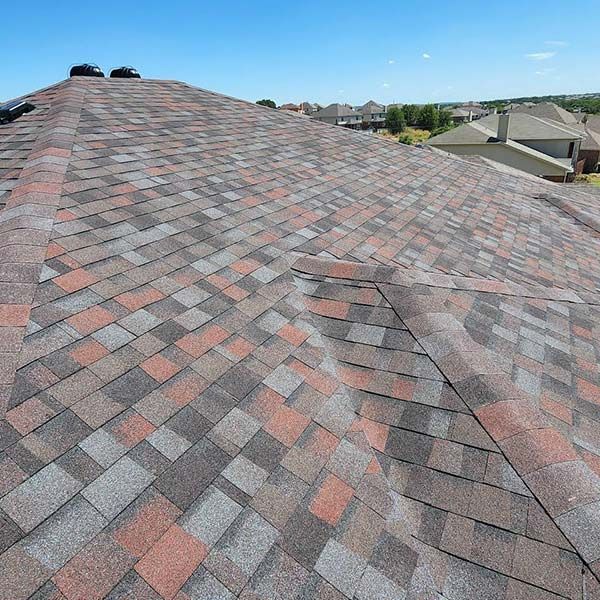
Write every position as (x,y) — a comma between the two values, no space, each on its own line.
(249,355)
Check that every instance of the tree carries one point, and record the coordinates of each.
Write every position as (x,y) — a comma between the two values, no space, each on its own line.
(444,118)
(394,120)
(410,112)
(267,102)
(428,117)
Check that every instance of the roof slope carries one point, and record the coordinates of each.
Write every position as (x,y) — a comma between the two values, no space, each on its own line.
(196,407)
(547,110)
(336,110)
(522,127)
(371,107)
(484,131)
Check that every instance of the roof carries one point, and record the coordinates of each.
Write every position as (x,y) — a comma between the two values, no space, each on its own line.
(522,127)
(591,140)
(529,127)
(593,122)
(372,107)
(460,112)
(247,355)
(484,131)
(475,109)
(547,110)
(336,110)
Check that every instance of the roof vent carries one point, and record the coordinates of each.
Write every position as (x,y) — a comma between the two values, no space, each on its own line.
(125,73)
(86,70)
(14,109)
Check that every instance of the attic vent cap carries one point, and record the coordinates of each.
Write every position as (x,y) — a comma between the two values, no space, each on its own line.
(14,109)
(125,73)
(86,70)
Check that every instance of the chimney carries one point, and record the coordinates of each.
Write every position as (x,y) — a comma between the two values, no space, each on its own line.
(503,127)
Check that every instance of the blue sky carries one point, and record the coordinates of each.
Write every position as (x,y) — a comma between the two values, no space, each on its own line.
(318,51)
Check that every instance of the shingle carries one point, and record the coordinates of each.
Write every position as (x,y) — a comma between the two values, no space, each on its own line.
(39,496)
(210,516)
(65,533)
(341,567)
(192,473)
(117,487)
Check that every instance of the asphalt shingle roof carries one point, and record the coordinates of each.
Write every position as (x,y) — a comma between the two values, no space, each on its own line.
(522,127)
(547,110)
(336,110)
(248,355)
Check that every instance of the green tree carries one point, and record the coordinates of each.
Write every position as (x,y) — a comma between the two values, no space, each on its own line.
(444,118)
(428,117)
(411,113)
(266,102)
(394,120)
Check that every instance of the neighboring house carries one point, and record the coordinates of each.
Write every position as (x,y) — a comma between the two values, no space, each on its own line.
(538,146)
(374,114)
(339,114)
(477,112)
(291,107)
(460,115)
(593,122)
(476,109)
(589,151)
(308,108)
(546,110)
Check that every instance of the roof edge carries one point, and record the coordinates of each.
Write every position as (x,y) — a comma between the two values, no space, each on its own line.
(26,221)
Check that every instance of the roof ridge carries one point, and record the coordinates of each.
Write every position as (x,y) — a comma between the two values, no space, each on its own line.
(46,88)
(572,210)
(398,275)
(28,216)
(509,416)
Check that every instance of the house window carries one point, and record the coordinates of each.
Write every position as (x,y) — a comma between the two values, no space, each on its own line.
(571,148)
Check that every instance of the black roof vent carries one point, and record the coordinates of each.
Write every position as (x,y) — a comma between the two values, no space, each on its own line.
(125,73)
(14,109)
(86,70)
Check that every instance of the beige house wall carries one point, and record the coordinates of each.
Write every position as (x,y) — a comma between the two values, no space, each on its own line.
(507,156)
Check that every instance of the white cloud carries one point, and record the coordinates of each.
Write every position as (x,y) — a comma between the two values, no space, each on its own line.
(391,61)
(544,72)
(426,56)
(557,43)
(386,85)
(341,91)
(540,55)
